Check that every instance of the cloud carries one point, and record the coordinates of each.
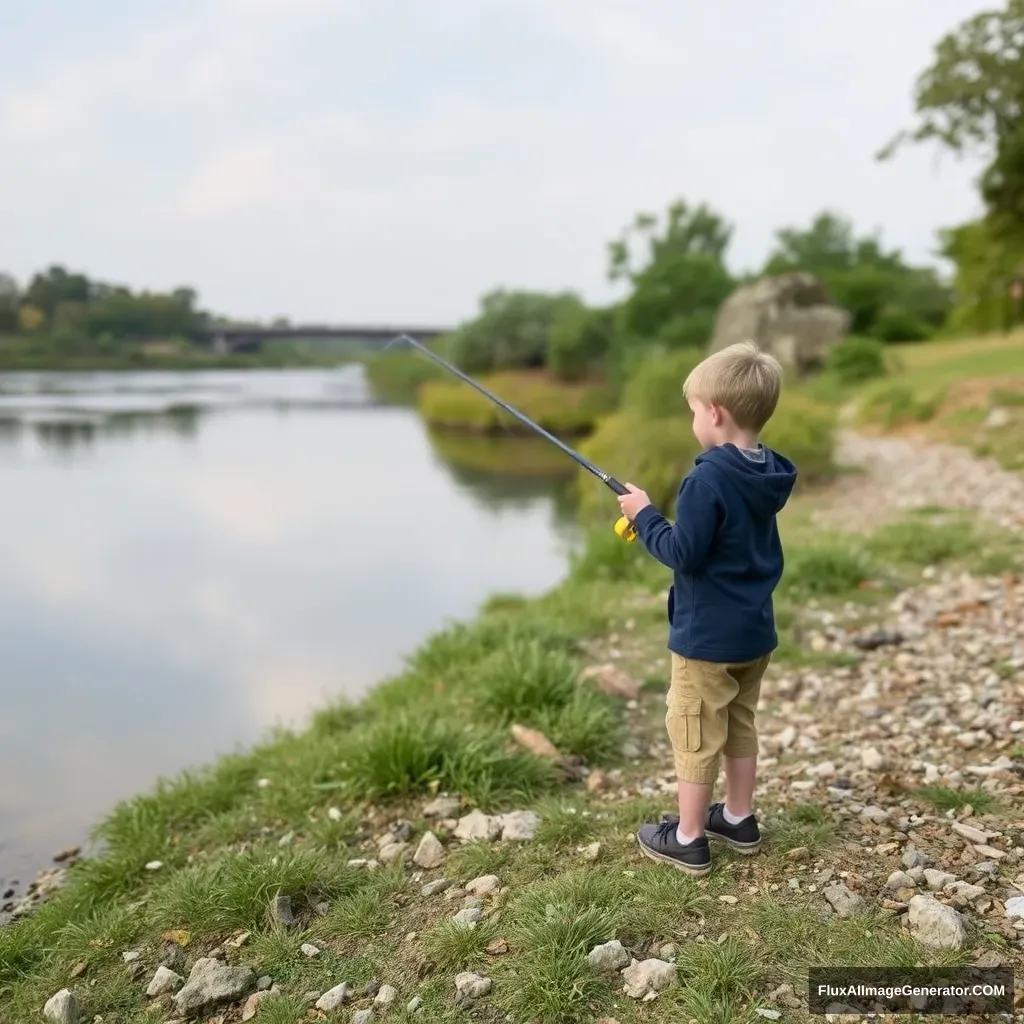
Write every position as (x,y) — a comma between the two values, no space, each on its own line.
(393,161)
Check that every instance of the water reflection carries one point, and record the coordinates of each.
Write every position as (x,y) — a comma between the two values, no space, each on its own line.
(163,602)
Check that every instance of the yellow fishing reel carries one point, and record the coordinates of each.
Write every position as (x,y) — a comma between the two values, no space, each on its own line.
(625,529)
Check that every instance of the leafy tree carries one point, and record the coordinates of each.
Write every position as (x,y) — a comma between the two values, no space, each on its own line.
(10,296)
(677,290)
(512,331)
(579,340)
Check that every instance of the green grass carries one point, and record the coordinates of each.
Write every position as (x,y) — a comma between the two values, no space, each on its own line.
(942,798)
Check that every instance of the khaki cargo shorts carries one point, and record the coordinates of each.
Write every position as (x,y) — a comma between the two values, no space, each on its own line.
(712,711)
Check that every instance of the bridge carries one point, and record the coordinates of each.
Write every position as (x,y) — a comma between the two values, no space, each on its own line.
(241,338)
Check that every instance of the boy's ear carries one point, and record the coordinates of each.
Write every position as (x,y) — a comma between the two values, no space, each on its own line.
(717,414)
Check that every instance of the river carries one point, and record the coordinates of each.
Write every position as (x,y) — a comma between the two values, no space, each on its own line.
(189,559)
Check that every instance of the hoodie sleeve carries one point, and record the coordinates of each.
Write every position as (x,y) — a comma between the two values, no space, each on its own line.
(683,545)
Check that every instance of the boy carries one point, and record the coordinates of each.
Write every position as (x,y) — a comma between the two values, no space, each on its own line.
(726,557)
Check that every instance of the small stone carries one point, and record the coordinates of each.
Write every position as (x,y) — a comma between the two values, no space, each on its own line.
(442,807)
(497,947)
(131,955)
(915,858)
(519,826)
(334,814)
(430,853)
(264,983)
(471,985)
(386,996)
(393,852)
(309,949)
(485,885)
(798,853)
(900,880)
(211,982)
(372,988)
(769,1014)
(843,901)
(872,760)
(1014,907)
(975,835)
(874,814)
(286,839)
(362,1017)
(437,886)
(591,852)
(164,980)
(645,976)
(468,917)
(596,781)
(62,1007)
(990,851)
(935,924)
(282,910)
(608,957)
(253,1003)
(478,827)
(731,900)
(414,1005)
(154,865)
(334,997)
(668,951)
(937,879)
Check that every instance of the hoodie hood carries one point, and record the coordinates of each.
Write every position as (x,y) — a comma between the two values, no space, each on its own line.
(764,486)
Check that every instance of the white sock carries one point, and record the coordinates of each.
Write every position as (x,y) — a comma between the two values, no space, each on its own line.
(683,837)
(731,818)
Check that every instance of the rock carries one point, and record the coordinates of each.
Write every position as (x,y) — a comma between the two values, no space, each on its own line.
(62,1007)
(414,1005)
(975,835)
(596,781)
(590,852)
(391,853)
(648,976)
(900,880)
(1014,907)
(386,996)
(430,853)
(362,1017)
(255,1001)
(843,901)
(997,418)
(914,858)
(442,807)
(471,985)
(485,885)
(468,917)
(154,865)
(967,891)
(211,983)
(769,1014)
(282,910)
(789,315)
(608,957)
(131,955)
(875,814)
(164,981)
(937,879)
(612,681)
(437,886)
(497,947)
(334,997)
(936,925)
(68,853)
(372,988)
(991,852)
(535,742)
(519,826)
(478,827)
(309,949)
(872,760)
(334,813)
(264,983)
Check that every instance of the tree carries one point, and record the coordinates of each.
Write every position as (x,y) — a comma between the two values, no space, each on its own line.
(677,290)
(10,296)
(971,99)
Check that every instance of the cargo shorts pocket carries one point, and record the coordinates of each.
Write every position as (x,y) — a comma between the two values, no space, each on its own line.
(684,724)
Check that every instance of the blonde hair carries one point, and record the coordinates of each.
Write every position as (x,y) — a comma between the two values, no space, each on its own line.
(742,379)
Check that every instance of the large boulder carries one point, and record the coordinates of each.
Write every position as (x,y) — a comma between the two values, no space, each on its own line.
(789,315)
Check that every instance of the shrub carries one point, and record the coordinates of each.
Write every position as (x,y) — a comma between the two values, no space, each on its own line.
(578,340)
(822,572)
(560,408)
(857,359)
(656,388)
(397,376)
(898,404)
(804,431)
(894,323)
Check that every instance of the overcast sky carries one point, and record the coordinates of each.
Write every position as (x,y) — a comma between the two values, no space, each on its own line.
(388,161)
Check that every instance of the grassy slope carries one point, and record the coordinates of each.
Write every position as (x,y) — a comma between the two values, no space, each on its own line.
(442,726)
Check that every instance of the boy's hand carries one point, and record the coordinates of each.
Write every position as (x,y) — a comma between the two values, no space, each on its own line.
(632,503)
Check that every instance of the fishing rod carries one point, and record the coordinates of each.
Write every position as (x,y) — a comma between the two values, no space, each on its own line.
(623,527)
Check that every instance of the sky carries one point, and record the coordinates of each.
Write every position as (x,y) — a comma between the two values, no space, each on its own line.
(388,162)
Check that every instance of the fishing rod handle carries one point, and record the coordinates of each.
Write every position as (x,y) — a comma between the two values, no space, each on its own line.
(616,486)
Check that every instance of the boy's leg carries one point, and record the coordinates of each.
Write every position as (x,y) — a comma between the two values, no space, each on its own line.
(697,722)
(733,821)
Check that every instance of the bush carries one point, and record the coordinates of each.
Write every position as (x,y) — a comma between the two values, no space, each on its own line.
(894,323)
(558,407)
(897,404)
(656,388)
(857,359)
(804,431)
(397,376)
(578,340)
(822,572)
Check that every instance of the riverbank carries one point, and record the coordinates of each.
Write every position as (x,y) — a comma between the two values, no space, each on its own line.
(378,859)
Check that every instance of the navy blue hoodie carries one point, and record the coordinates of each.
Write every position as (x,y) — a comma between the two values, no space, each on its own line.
(725,553)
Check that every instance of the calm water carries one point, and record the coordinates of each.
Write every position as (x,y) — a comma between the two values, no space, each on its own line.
(188,559)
